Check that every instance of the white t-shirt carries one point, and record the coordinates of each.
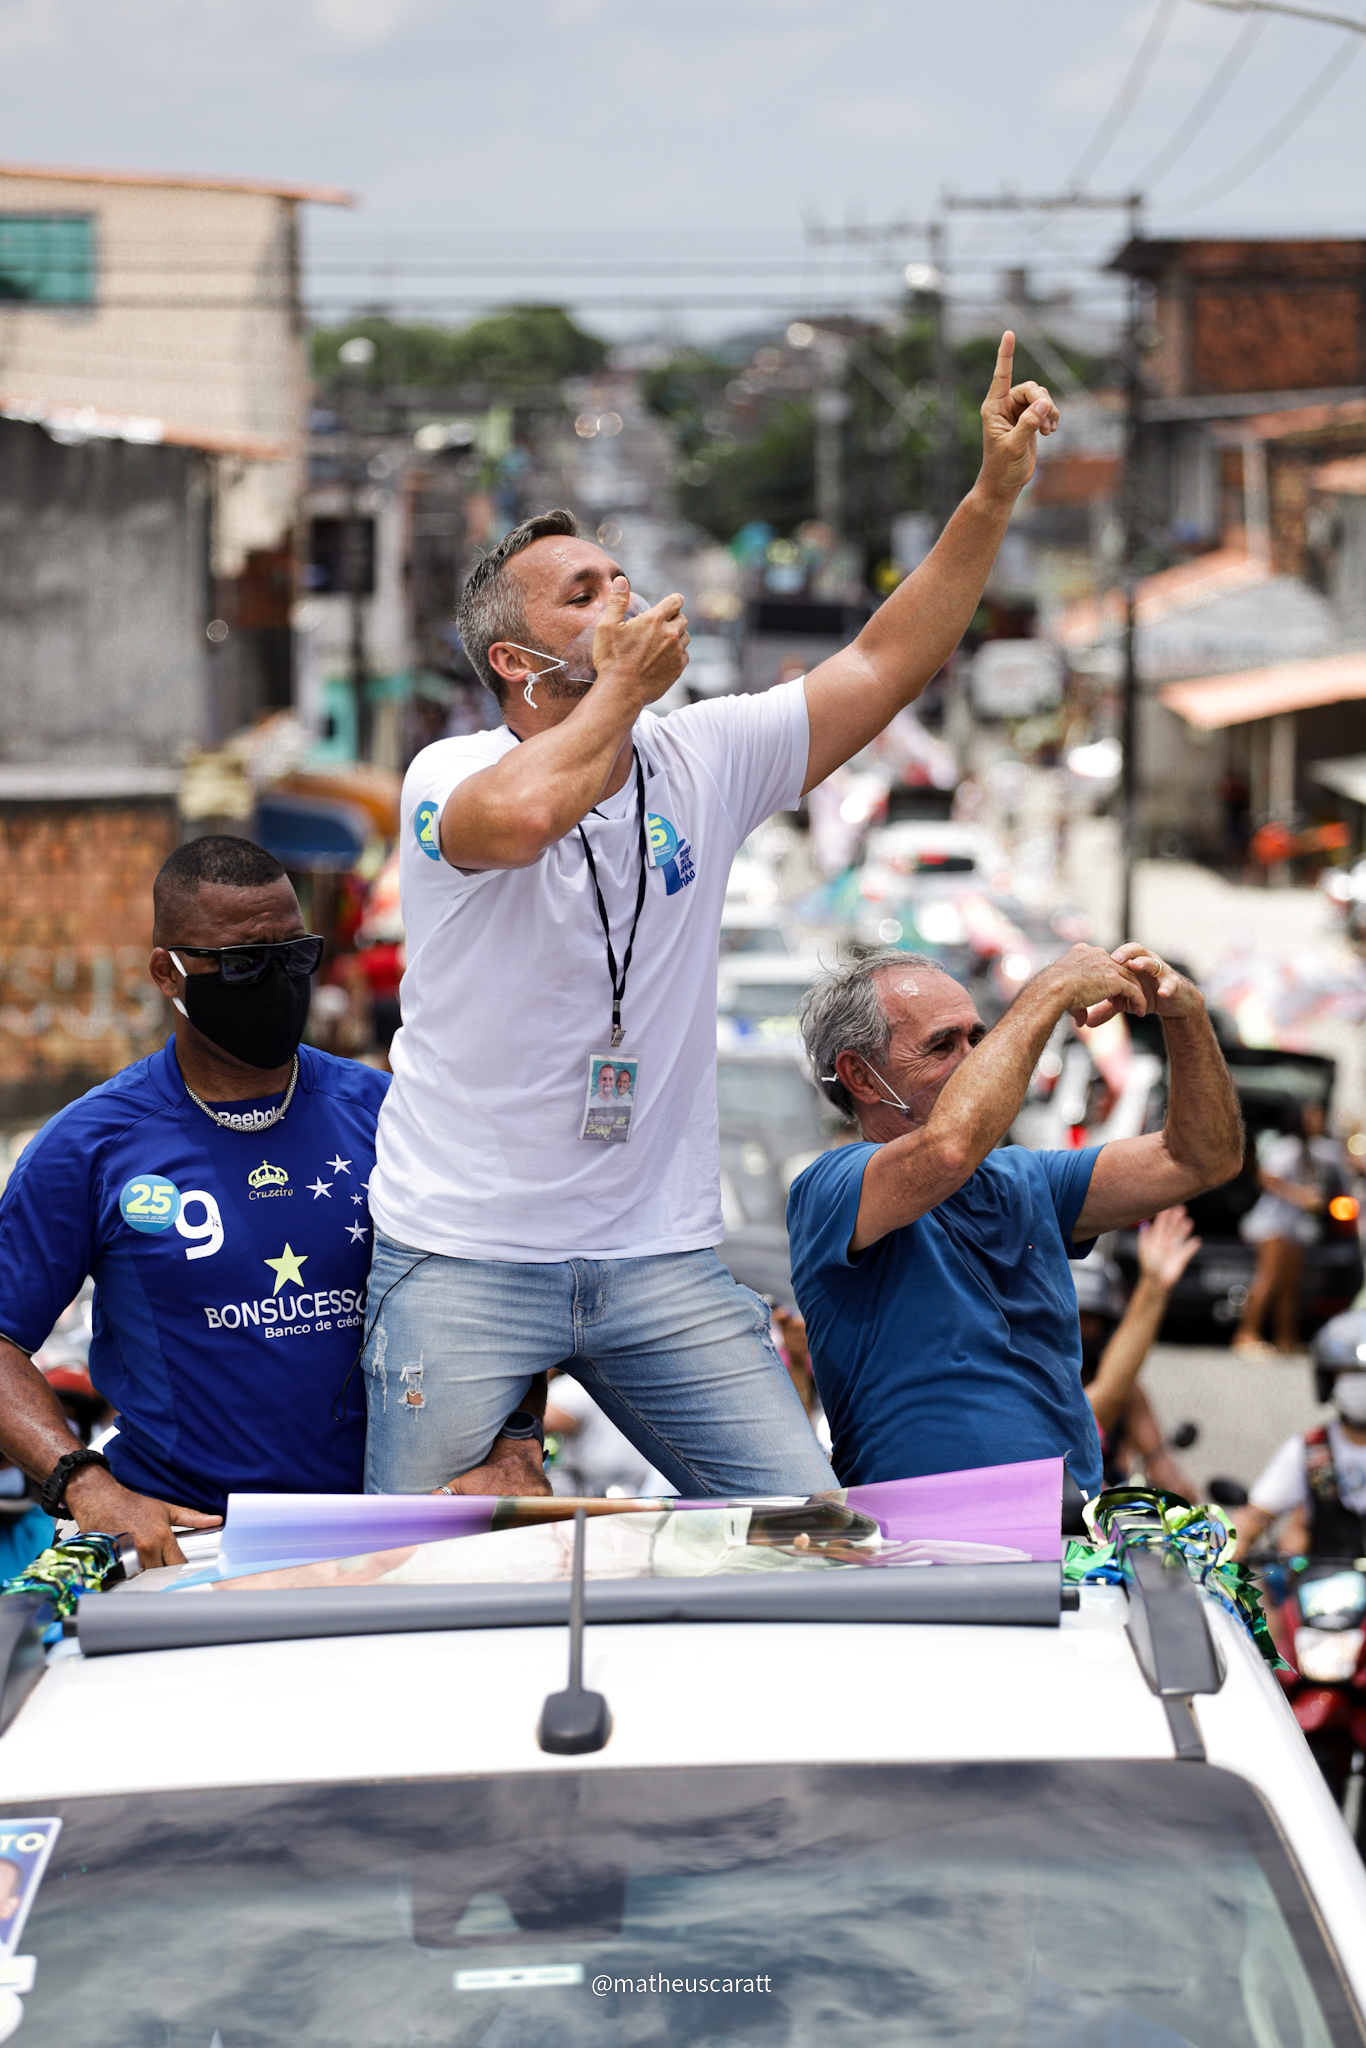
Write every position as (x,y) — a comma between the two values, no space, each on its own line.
(507,993)
(1285,1482)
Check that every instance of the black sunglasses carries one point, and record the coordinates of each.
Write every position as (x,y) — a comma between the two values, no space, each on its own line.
(299,957)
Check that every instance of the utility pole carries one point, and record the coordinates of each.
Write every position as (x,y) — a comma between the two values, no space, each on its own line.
(1131,508)
(831,409)
(356,356)
(942,494)
(1132,204)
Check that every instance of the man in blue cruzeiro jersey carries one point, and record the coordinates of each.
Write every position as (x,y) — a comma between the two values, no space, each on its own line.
(218,1193)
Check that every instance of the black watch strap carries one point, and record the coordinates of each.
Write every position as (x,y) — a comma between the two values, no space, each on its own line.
(53,1489)
(522,1426)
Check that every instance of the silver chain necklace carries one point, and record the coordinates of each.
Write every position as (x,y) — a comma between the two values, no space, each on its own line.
(253,1120)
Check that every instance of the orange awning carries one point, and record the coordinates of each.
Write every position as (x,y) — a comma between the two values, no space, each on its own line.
(1212,702)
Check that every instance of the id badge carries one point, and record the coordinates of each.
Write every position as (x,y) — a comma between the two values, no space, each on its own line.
(610,1100)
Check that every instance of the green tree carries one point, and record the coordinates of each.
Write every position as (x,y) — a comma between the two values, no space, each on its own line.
(687,391)
(526,348)
(756,459)
(770,477)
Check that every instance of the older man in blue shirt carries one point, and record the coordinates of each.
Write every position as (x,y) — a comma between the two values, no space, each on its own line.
(930,1266)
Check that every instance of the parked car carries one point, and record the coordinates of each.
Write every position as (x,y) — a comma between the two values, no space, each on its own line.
(774,1122)
(1206,1304)
(747,928)
(758,996)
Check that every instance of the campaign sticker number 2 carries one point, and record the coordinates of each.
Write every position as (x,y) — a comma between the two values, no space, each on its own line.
(427,825)
(150,1203)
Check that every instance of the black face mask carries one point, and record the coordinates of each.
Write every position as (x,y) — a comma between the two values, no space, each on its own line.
(257,1022)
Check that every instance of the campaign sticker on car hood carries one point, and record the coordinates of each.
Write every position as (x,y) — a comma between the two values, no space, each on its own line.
(25,1846)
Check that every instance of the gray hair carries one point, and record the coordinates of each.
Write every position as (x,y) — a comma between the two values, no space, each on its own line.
(492,606)
(842,1012)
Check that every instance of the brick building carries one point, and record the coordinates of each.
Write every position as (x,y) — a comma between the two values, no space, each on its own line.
(78,851)
(1253,430)
(1254,377)
(153,396)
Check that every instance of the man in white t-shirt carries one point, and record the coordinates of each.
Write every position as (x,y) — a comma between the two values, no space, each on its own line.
(1316,1483)
(563,879)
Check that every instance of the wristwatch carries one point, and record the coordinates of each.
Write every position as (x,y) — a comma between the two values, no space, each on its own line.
(52,1492)
(522,1426)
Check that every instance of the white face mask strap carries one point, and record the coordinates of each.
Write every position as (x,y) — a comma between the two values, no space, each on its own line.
(893,1101)
(176,1003)
(536,677)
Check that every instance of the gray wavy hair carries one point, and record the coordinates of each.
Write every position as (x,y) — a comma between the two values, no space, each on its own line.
(842,1012)
(491,605)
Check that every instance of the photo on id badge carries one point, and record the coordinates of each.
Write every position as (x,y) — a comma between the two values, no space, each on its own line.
(611,1097)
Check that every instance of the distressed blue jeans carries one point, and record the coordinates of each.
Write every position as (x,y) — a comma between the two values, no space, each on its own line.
(675,1352)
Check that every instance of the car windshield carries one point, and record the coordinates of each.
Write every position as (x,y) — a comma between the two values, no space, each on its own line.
(753,938)
(764,1092)
(761,999)
(1048,1906)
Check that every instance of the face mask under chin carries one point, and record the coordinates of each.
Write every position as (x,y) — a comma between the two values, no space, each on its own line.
(259,1023)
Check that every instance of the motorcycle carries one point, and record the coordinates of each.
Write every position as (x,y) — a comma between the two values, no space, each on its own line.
(1320,1629)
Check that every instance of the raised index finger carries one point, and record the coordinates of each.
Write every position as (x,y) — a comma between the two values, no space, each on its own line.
(1005,364)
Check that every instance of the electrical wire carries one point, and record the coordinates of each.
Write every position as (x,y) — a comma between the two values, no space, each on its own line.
(1185,132)
(1297,13)
(1120,108)
(1278,134)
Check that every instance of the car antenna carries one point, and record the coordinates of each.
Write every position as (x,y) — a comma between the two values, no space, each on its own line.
(574,1721)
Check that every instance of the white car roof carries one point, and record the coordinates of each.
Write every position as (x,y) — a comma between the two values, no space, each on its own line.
(915,837)
(363,1707)
(739,916)
(764,967)
(455,1699)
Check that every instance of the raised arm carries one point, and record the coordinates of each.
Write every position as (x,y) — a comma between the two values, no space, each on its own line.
(1200,1144)
(34,1435)
(507,815)
(1165,1250)
(978,1103)
(851,697)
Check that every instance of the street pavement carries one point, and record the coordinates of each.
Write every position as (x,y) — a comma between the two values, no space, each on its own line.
(1244,1411)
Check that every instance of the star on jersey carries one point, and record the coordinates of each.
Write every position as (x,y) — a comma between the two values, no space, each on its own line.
(357,1233)
(358,1199)
(287,1268)
(340,1165)
(320,1187)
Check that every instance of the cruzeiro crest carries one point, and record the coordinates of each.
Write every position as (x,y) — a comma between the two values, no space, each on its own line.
(665,852)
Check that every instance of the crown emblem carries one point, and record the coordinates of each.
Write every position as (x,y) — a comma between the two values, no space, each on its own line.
(267,1176)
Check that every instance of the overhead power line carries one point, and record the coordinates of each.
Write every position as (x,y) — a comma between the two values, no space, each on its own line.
(1350,21)
(1122,105)
(1184,134)
(1278,134)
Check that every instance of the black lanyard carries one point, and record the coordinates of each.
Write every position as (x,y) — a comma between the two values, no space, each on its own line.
(619,980)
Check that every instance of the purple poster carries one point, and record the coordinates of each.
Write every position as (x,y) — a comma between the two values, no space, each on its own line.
(940,1518)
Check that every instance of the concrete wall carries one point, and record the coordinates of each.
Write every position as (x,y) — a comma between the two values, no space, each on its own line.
(103,594)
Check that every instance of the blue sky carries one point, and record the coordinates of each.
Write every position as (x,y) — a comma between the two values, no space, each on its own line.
(571,126)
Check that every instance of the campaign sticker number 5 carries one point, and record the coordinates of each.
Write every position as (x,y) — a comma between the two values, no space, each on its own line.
(150,1203)
(207,1237)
